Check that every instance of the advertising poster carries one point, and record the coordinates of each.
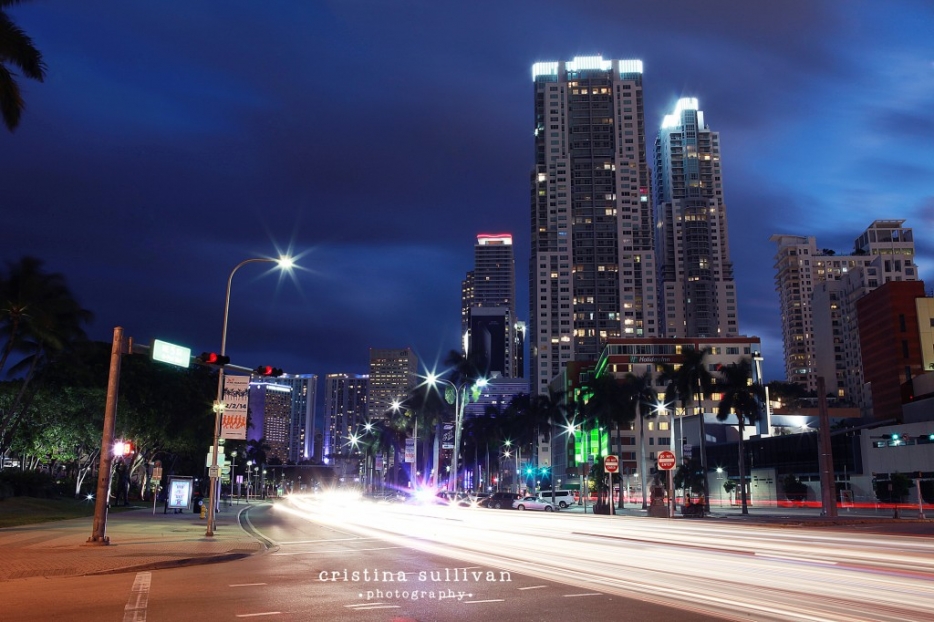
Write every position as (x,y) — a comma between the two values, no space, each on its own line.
(179,493)
(236,400)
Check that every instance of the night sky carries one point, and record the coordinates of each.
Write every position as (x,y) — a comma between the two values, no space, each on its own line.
(373,140)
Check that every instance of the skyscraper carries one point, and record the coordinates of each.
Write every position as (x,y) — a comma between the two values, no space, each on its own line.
(698,293)
(302,419)
(592,267)
(489,307)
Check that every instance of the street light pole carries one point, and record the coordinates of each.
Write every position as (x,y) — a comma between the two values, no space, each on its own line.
(284,262)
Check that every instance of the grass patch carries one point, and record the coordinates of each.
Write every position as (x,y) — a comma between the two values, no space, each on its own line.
(18,511)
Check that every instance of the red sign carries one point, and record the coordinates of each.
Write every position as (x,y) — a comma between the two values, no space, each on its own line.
(666,460)
(611,464)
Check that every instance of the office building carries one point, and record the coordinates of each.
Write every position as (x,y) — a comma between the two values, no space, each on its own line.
(345,411)
(393,373)
(890,337)
(302,415)
(592,267)
(819,318)
(270,418)
(698,293)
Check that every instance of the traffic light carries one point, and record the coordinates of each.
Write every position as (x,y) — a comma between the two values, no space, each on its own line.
(268,371)
(891,437)
(213,358)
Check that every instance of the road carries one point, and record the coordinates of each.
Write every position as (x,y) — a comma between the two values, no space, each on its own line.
(359,561)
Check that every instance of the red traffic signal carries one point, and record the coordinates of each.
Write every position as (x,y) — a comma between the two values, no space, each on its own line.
(213,358)
(267,370)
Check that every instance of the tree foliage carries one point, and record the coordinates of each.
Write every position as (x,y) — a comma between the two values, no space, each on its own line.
(17,52)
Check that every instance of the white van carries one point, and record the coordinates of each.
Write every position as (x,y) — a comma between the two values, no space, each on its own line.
(562,498)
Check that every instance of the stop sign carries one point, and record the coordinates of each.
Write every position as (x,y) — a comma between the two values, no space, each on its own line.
(611,464)
(666,460)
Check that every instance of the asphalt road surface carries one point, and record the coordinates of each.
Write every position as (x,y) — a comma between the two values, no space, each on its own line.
(358,561)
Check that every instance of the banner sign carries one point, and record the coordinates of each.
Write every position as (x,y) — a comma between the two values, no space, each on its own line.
(236,400)
(378,462)
(410,450)
(447,436)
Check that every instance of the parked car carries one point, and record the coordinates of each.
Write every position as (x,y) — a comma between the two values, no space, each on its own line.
(533,503)
(499,500)
(562,498)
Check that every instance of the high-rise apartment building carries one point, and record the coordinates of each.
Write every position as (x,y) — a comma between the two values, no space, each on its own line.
(393,373)
(345,398)
(820,331)
(698,293)
(488,310)
(592,267)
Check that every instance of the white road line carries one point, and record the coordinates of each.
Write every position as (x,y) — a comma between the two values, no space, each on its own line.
(382,548)
(135,609)
(584,594)
(325,540)
(533,587)
(256,615)
(492,600)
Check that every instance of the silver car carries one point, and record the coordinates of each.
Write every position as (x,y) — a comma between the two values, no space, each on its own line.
(533,503)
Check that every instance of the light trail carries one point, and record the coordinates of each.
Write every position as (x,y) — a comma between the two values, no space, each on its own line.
(737,572)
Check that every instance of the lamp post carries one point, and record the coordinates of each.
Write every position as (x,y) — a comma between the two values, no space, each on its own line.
(458,413)
(233,474)
(284,262)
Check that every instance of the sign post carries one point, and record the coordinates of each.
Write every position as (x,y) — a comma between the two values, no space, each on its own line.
(666,462)
(611,466)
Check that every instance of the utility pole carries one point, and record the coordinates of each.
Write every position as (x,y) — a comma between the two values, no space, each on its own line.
(828,485)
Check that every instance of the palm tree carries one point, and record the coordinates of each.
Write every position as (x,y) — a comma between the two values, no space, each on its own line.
(16,49)
(611,403)
(40,319)
(743,398)
(692,379)
(644,395)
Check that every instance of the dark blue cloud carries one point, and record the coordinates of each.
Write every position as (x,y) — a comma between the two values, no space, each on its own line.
(172,140)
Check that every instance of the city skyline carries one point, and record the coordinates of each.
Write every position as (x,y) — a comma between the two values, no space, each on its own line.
(376,142)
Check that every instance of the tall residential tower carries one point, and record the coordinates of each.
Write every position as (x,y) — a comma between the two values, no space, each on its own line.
(698,293)
(592,267)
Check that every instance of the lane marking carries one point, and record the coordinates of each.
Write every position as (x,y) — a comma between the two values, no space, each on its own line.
(492,600)
(369,607)
(135,609)
(533,587)
(383,548)
(325,540)
(584,594)
(255,615)
(245,584)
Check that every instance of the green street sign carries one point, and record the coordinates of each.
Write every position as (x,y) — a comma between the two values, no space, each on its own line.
(170,353)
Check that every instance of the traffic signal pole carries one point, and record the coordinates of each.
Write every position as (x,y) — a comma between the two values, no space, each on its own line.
(99,530)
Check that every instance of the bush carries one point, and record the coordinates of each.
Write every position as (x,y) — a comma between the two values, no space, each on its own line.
(27,483)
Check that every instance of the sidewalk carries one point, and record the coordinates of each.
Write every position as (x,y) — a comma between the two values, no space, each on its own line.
(139,540)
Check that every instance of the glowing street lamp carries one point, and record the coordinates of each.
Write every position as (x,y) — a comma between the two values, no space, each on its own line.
(460,398)
(284,263)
